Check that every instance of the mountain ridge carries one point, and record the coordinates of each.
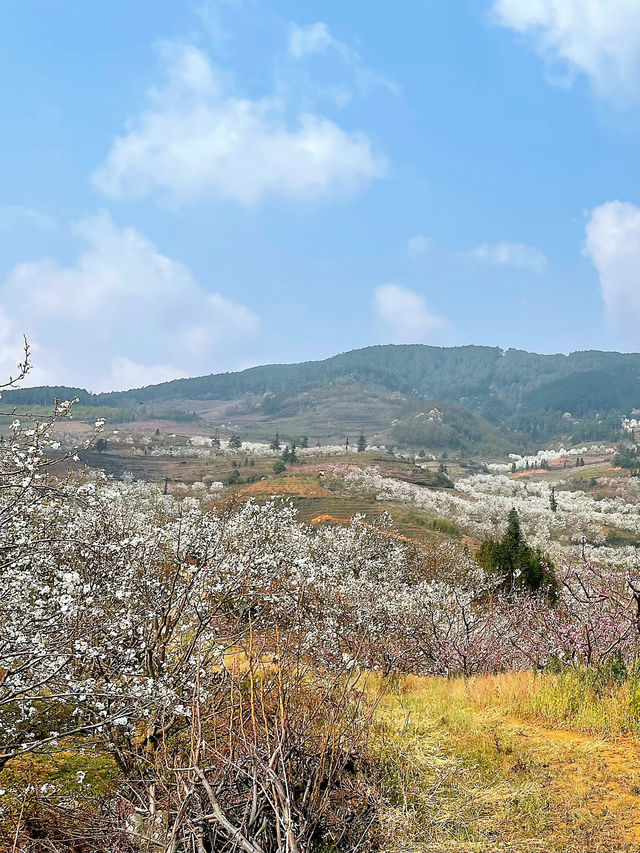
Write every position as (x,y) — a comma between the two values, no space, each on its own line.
(97,398)
(475,394)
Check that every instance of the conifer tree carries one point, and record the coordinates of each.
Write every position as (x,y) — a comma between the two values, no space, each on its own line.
(442,478)
(289,454)
(519,565)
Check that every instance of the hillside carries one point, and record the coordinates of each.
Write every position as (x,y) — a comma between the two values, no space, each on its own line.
(410,395)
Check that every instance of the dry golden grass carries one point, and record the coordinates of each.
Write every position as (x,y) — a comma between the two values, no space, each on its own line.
(512,763)
(470,767)
(290,487)
(325,518)
(578,699)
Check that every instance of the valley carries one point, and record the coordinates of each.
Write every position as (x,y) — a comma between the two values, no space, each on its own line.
(438,638)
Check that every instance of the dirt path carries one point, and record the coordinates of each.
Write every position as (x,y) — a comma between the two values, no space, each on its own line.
(597,781)
(516,785)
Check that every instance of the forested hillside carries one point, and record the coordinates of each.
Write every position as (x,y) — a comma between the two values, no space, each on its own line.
(415,395)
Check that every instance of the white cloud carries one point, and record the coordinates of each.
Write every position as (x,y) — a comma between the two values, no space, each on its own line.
(198,138)
(314,38)
(121,315)
(405,314)
(418,245)
(510,254)
(11,347)
(126,374)
(598,38)
(613,246)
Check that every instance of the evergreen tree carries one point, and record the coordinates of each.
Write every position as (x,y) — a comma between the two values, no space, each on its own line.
(519,565)
(513,468)
(289,454)
(514,532)
(553,503)
(275,444)
(362,443)
(442,478)
(628,457)
(279,466)
(304,441)
(235,442)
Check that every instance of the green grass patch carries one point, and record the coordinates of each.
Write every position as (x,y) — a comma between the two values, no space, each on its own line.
(604,701)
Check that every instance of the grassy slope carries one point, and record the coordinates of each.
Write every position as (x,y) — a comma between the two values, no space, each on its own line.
(472,766)
(514,763)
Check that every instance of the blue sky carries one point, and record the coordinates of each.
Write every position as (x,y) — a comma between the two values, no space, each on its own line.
(195,187)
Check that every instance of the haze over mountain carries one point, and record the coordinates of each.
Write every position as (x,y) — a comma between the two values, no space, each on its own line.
(409,395)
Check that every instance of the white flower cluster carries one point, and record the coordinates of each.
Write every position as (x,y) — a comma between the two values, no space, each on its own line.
(480,504)
(533,460)
(433,416)
(201,447)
